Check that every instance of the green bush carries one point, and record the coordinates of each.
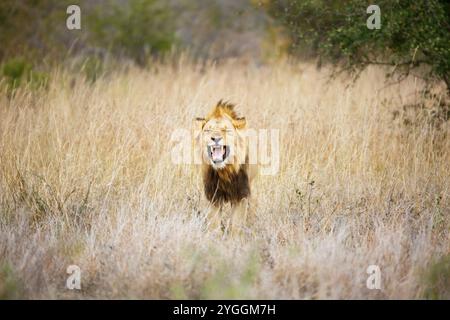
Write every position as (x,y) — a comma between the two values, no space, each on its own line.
(10,286)
(437,279)
(135,30)
(413,33)
(15,70)
(93,68)
(18,71)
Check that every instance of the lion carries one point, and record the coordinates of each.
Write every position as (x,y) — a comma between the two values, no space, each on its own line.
(227,174)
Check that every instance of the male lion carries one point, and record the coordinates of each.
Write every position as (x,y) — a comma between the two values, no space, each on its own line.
(226,171)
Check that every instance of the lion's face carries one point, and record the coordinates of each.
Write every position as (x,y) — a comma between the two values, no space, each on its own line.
(218,141)
(221,140)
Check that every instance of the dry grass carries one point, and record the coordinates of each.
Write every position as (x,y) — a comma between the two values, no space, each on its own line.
(86,179)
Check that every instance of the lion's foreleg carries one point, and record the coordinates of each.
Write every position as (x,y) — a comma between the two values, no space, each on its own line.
(214,217)
(239,217)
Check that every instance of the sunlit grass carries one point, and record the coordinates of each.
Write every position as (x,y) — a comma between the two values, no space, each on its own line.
(86,178)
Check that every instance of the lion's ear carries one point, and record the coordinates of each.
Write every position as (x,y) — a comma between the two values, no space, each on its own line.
(240,123)
(197,126)
(199,123)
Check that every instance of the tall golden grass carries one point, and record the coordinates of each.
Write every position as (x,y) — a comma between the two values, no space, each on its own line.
(86,178)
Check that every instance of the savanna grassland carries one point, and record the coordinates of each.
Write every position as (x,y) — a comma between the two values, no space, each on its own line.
(86,178)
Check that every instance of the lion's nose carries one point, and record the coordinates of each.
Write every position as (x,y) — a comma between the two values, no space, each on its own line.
(216,139)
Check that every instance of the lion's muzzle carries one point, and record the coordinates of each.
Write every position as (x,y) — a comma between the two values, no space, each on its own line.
(218,153)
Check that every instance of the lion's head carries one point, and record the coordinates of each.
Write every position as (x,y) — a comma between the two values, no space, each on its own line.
(221,138)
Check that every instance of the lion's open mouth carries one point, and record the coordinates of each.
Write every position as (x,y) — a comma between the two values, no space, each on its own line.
(218,153)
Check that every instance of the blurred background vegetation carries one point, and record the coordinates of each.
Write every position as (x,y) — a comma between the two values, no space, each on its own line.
(414,37)
(134,29)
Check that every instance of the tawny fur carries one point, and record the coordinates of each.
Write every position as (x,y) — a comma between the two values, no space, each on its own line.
(230,184)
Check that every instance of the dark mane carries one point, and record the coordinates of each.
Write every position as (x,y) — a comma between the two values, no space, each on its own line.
(219,190)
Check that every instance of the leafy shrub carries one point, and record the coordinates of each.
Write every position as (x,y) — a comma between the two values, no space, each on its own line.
(438,280)
(15,70)
(18,71)
(413,33)
(93,68)
(135,30)
(10,286)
